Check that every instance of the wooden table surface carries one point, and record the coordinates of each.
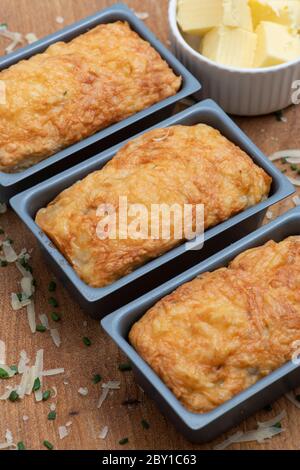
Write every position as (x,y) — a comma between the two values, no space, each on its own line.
(103,357)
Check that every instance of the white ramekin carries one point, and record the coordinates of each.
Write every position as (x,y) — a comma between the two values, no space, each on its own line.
(245,92)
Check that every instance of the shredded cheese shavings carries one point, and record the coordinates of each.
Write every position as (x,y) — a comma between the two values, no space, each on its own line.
(44,320)
(103,397)
(16,38)
(31,317)
(55,337)
(63,432)
(112,385)
(103,433)
(50,372)
(9,253)
(30,38)
(289,154)
(142,15)
(83,391)
(2,352)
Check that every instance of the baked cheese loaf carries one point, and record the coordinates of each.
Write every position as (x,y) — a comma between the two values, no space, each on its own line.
(219,334)
(75,89)
(178,165)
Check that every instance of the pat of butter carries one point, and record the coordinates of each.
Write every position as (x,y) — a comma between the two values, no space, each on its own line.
(275,45)
(237,13)
(285,12)
(230,46)
(199,16)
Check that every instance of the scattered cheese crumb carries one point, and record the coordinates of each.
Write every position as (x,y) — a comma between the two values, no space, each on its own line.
(55,337)
(269,215)
(83,391)
(103,433)
(25,418)
(142,15)
(59,20)
(52,407)
(30,38)
(63,432)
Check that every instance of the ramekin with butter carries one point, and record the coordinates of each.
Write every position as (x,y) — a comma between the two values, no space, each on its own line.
(245,52)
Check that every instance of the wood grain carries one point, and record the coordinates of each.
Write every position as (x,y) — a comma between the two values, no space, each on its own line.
(79,361)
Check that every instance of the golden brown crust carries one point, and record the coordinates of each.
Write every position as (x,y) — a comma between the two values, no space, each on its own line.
(74,89)
(184,165)
(219,334)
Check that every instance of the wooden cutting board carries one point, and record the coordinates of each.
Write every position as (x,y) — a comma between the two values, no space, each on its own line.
(102,357)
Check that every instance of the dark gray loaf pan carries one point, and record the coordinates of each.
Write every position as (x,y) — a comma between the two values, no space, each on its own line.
(196,427)
(99,302)
(11,184)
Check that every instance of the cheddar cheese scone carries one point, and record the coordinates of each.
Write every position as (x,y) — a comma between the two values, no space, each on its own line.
(179,165)
(220,333)
(75,89)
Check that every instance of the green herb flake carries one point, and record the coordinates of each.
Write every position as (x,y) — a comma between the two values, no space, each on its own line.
(23,262)
(46,395)
(14,369)
(125,367)
(52,286)
(124,441)
(41,328)
(3,264)
(36,385)
(86,341)
(55,316)
(20,297)
(48,445)
(4,25)
(283,171)
(145,424)
(3,374)
(21,446)
(14,396)
(97,378)
(294,168)
(277,425)
(53,302)
(52,416)
(283,160)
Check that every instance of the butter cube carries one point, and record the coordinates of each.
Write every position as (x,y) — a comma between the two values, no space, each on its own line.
(275,45)
(285,12)
(237,13)
(199,16)
(230,46)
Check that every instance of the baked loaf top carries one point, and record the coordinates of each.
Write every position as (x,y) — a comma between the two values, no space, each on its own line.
(217,335)
(183,165)
(74,89)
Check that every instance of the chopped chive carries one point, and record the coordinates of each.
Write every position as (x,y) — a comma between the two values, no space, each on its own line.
(145,424)
(46,395)
(55,316)
(3,264)
(283,160)
(86,341)
(124,441)
(21,446)
(52,286)
(53,302)
(14,369)
(41,328)
(20,296)
(125,367)
(97,378)
(277,425)
(48,445)
(3,374)
(268,408)
(23,262)
(294,168)
(279,115)
(14,396)
(52,415)
(36,385)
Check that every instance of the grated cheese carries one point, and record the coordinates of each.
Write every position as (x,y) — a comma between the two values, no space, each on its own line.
(103,397)
(143,15)
(17,304)
(16,38)
(103,433)
(63,432)
(31,316)
(30,38)
(112,385)
(83,391)
(47,373)
(59,19)
(2,352)
(44,320)
(55,337)
(9,253)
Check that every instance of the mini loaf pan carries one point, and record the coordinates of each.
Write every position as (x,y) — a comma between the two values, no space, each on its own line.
(200,428)
(13,183)
(101,301)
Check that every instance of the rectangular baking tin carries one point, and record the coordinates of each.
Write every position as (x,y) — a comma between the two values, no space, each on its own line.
(196,427)
(101,301)
(13,183)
